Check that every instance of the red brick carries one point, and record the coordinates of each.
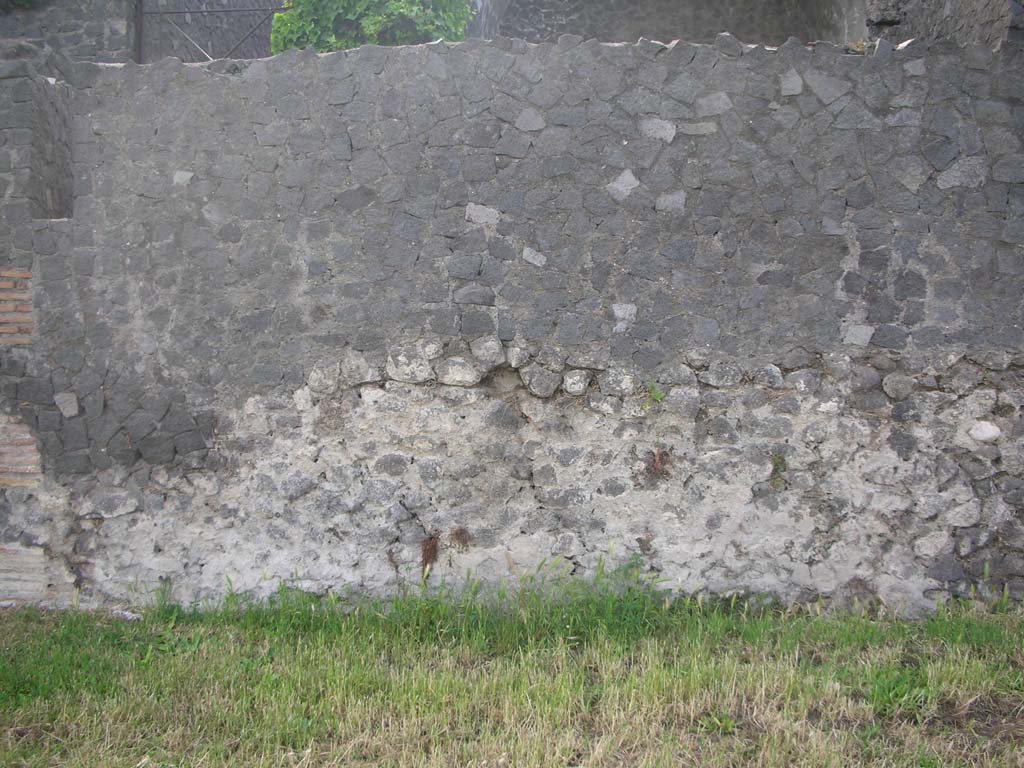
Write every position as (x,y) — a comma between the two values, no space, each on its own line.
(16,273)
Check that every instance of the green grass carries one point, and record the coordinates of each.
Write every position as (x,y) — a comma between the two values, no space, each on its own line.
(603,673)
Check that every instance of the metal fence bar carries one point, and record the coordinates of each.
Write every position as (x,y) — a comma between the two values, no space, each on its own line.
(140,27)
(186,36)
(220,10)
(248,35)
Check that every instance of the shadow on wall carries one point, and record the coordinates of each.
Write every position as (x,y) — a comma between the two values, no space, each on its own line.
(758,21)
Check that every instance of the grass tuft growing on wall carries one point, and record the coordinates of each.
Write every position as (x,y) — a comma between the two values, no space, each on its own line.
(600,673)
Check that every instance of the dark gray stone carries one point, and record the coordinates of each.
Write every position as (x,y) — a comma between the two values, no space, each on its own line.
(890,337)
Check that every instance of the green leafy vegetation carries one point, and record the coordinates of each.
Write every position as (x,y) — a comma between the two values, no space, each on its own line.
(334,25)
(655,394)
(607,672)
(778,477)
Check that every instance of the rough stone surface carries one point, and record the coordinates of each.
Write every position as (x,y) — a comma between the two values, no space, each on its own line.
(104,30)
(766,21)
(673,202)
(536,258)
(898,386)
(623,185)
(325,345)
(67,404)
(576,382)
(986,432)
(530,120)
(458,372)
(86,30)
(965,22)
(791,83)
(965,172)
(540,381)
(655,128)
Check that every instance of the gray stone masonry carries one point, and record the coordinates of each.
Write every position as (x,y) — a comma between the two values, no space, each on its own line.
(769,22)
(85,30)
(104,30)
(754,316)
(985,22)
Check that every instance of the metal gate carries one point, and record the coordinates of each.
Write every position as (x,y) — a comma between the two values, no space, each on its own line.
(202,30)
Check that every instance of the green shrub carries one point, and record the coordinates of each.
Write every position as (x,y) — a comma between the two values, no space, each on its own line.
(334,25)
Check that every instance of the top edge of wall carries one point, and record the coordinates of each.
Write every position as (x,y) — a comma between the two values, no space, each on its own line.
(726,45)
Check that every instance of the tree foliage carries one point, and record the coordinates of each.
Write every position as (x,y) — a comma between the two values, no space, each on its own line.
(332,25)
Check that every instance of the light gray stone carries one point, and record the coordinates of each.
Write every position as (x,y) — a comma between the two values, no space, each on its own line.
(826,87)
(530,120)
(898,386)
(412,364)
(530,256)
(916,68)
(684,401)
(966,172)
(576,382)
(458,372)
(482,215)
(354,369)
(488,350)
(932,544)
(962,515)
(714,104)
(517,357)
(858,335)
(67,404)
(625,316)
(698,129)
(323,378)
(805,381)
(655,128)
(791,83)
(985,432)
(623,185)
(768,376)
(617,383)
(540,381)
(911,172)
(673,202)
(722,374)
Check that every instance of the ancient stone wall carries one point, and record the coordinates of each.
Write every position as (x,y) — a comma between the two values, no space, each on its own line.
(987,22)
(87,30)
(752,316)
(104,30)
(763,21)
(36,175)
